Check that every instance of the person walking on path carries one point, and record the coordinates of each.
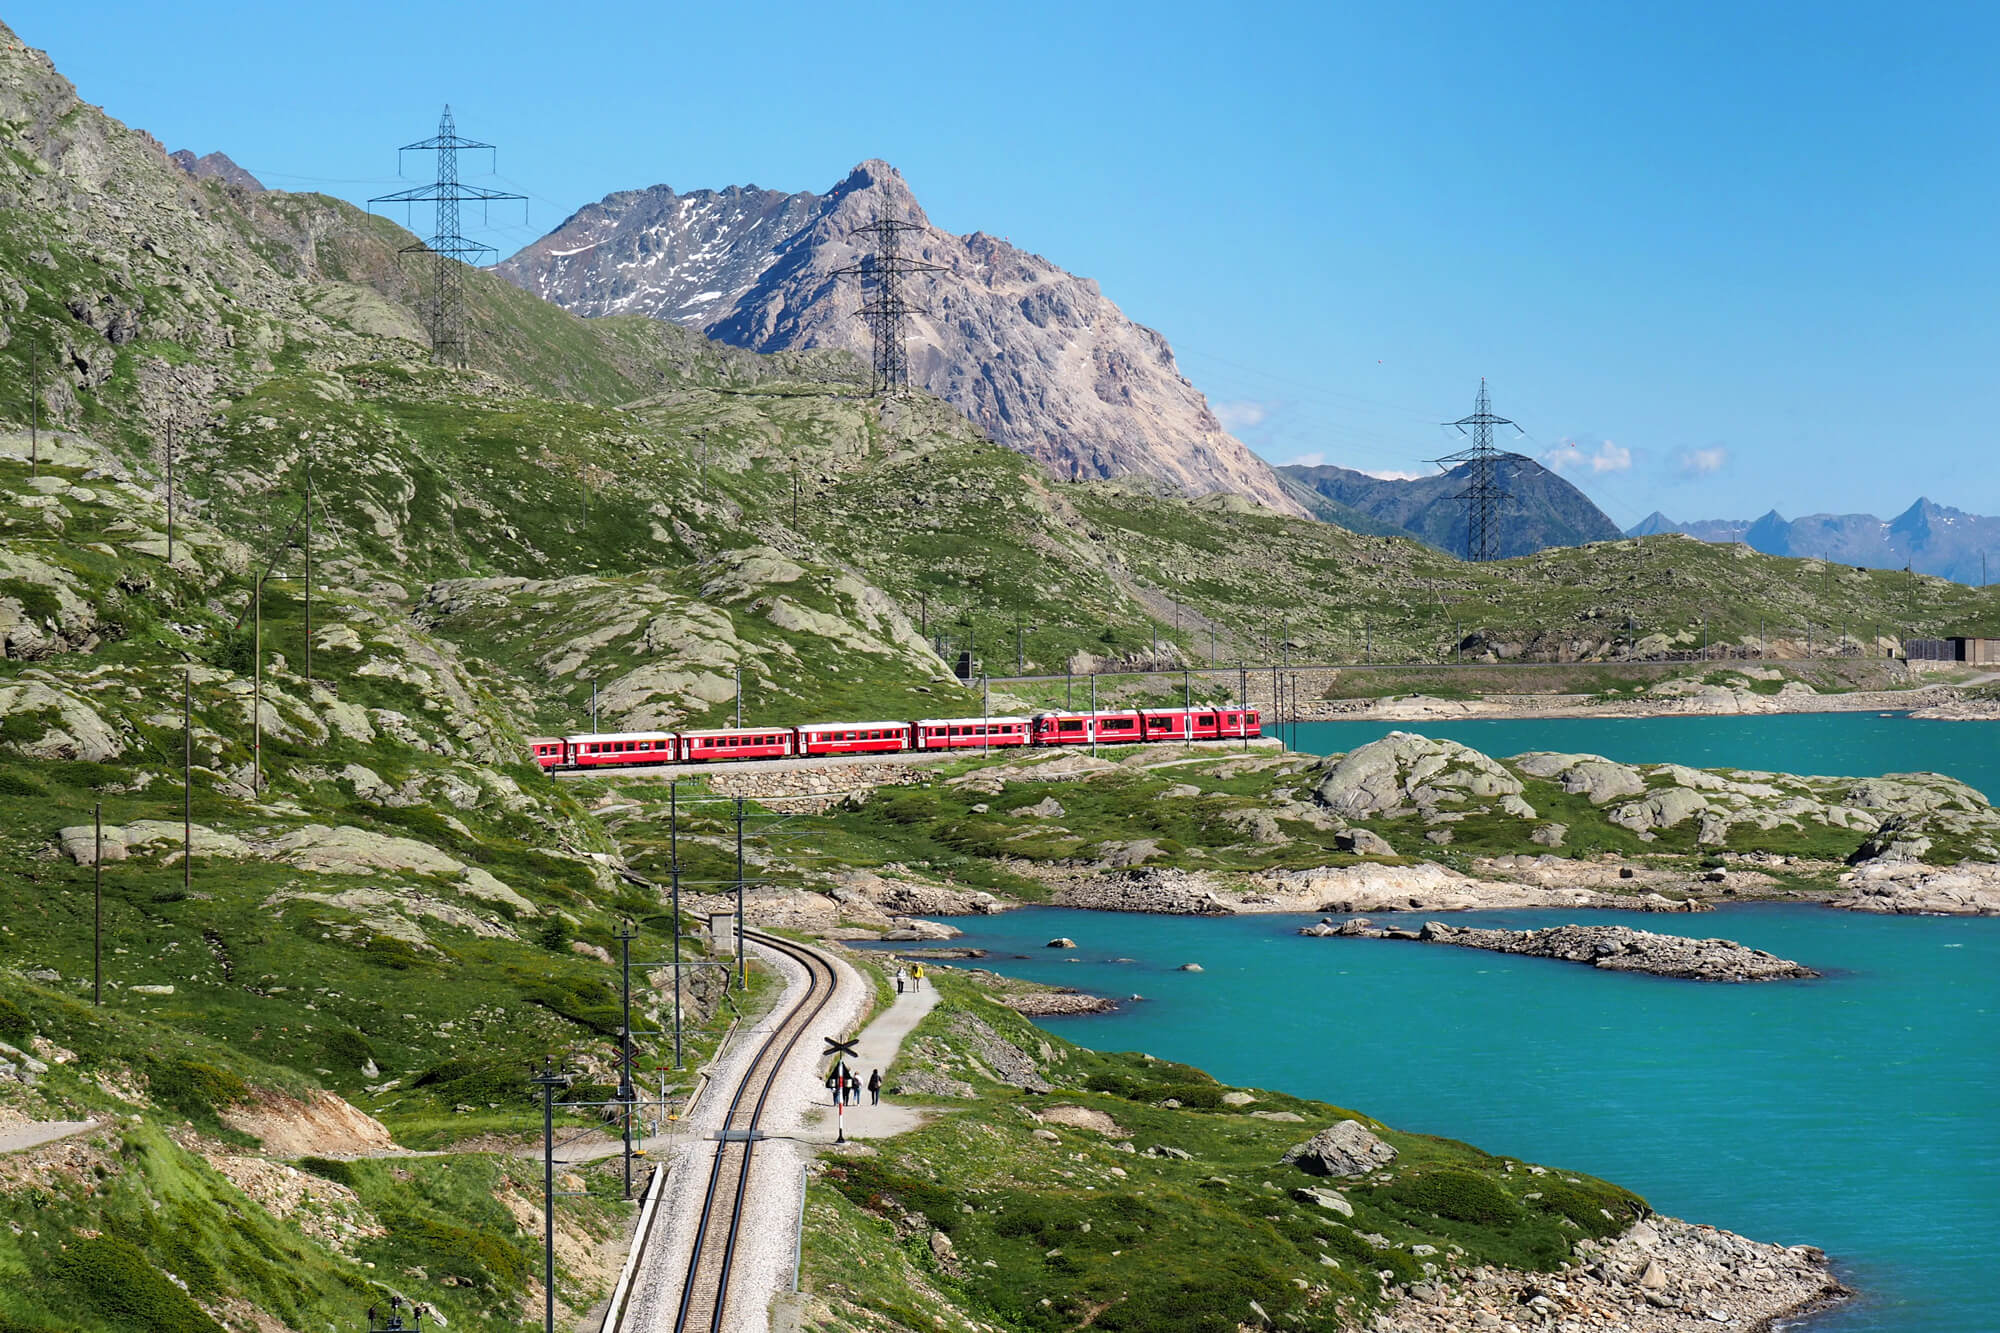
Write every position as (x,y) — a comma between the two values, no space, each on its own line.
(875,1088)
(853,1089)
(919,974)
(901,977)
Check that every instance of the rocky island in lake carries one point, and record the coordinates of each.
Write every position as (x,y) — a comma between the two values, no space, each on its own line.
(1612,948)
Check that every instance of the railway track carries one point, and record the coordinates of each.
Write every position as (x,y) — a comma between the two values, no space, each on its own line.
(704,1297)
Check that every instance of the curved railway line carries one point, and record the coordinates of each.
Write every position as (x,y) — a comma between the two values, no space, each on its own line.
(703,1304)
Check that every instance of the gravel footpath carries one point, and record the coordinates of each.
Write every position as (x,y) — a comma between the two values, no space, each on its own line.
(764,1247)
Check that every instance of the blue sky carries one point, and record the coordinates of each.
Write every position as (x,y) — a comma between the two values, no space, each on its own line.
(1714,258)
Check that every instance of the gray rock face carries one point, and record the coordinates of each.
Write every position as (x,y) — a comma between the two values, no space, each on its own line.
(1618,949)
(1407,771)
(1349,1148)
(1035,355)
(1363,842)
(215,166)
(1584,774)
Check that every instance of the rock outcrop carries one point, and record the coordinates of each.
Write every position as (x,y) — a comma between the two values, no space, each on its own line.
(1611,948)
(1036,356)
(1965,890)
(1404,773)
(1661,1276)
(1348,1148)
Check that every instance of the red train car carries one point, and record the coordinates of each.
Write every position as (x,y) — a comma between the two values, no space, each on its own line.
(548,751)
(1231,722)
(854,738)
(969,733)
(618,749)
(737,743)
(1062,728)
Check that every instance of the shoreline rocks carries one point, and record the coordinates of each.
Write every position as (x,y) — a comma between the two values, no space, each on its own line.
(1971,889)
(1057,1004)
(1609,948)
(1662,1275)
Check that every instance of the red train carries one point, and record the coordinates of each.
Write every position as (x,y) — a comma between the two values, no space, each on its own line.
(1128,726)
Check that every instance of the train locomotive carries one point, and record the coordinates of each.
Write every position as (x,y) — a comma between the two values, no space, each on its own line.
(1127,726)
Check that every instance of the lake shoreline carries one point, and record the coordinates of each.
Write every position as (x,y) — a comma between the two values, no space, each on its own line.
(1928,702)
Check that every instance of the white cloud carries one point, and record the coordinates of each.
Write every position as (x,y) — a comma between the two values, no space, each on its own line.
(1392,474)
(1701,462)
(1241,414)
(1314,459)
(1570,456)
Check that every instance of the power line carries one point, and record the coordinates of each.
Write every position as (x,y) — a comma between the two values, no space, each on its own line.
(888,312)
(450,252)
(1483,494)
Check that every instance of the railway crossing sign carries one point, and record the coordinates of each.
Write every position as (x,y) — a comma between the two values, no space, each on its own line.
(840,1051)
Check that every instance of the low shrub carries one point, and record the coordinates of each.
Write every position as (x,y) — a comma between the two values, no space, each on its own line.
(1457,1194)
(1586,1205)
(328,1168)
(20,784)
(475,1082)
(15,1025)
(116,1280)
(195,1089)
(348,1048)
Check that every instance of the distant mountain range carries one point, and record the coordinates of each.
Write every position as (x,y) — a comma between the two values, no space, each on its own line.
(1037,356)
(1929,538)
(1543,509)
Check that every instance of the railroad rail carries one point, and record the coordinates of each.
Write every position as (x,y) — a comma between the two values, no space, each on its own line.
(705,1289)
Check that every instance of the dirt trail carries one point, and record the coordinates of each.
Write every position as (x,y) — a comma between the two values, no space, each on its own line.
(23,1137)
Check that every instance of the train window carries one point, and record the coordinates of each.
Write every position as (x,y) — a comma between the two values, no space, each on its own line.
(1207,720)
(1072,726)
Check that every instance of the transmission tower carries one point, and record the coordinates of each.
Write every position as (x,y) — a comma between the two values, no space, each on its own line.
(887,310)
(1482,495)
(444,312)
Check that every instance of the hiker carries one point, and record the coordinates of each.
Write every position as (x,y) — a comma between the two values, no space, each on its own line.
(919,976)
(875,1088)
(853,1089)
(901,976)
(836,1083)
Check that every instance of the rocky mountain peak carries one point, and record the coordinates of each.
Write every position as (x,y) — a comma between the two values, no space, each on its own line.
(215,166)
(1035,355)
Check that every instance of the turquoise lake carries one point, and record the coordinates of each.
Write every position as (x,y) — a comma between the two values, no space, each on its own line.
(1856,1112)
(1829,744)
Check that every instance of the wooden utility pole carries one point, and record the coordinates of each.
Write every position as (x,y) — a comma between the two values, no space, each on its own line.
(97,910)
(170,497)
(257,688)
(187,780)
(309,576)
(34,408)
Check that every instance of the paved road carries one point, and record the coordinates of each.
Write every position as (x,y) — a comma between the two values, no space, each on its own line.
(47,1131)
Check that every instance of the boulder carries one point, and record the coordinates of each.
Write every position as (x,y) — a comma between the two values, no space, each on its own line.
(1405,769)
(1082,1117)
(1330,1199)
(1587,775)
(1175,1154)
(79,842)
(1060,942)
(1363,842)
(1348,1148)
(1663,809)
